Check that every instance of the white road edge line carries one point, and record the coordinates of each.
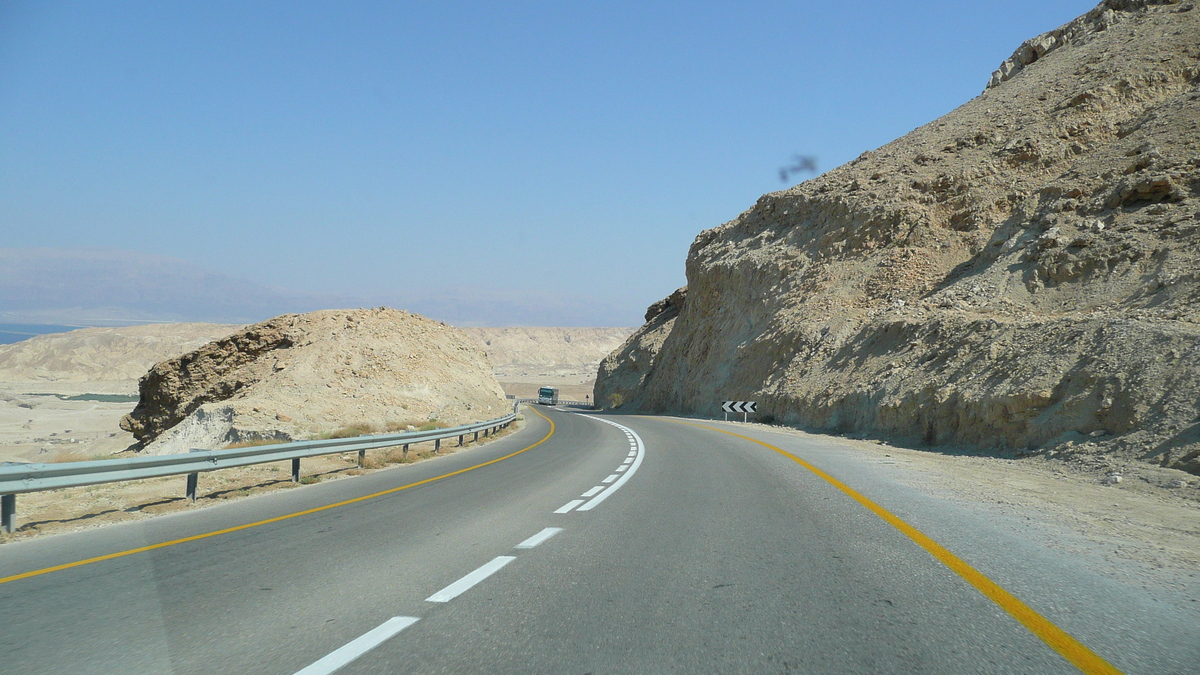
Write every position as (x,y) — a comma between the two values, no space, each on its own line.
(641,454)
(593,491)
(360,645)
(539,537)
(464,584)
(566,508)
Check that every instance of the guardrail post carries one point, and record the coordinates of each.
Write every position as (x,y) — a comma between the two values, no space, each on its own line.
(8,513)
(460,439)
(437,445)
(405,450)
(296,470)
(192,480)
(362,457)
(476,436)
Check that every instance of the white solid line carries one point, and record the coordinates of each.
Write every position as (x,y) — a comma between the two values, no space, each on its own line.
(566,508)
(610,478)
(464,584)
(593,491)
(539,537)
(639,447)
(359,646)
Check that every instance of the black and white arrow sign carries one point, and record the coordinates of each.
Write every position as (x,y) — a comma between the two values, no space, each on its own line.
(739,406)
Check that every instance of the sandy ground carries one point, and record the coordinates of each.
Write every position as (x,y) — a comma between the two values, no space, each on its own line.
(36,425)
(97,505)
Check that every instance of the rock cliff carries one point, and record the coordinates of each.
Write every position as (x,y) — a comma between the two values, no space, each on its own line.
(300,375)
(1022,274)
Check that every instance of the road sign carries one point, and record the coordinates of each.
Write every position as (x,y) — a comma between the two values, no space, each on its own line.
(739,406)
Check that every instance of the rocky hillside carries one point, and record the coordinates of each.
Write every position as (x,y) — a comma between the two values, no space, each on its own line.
(1020,275)
(301,375)
(103,354)
(537,351)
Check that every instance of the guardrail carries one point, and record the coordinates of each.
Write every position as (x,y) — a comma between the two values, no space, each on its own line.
(569,404)
(22,478)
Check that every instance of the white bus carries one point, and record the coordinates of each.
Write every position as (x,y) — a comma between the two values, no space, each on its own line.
(548,396)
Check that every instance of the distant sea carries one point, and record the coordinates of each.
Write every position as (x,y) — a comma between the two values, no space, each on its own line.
(15,332)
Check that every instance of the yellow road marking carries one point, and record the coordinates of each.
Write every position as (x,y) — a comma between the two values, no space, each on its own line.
(206,535)
(1071,649)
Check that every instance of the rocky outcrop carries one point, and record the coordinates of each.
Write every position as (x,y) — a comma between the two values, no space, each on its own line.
(1019,275)
(301,375)
(623,373)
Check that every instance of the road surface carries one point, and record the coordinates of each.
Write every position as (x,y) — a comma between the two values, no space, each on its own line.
(585,543)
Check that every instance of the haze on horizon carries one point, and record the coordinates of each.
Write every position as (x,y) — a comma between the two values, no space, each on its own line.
(526,163)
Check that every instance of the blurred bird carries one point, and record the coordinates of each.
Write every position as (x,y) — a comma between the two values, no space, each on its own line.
(800,165)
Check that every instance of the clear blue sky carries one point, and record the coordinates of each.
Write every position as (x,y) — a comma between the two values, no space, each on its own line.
(367,148)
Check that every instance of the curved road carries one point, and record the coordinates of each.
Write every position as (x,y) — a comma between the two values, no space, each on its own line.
(585,543)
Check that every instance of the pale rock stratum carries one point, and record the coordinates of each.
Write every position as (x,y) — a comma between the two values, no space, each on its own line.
(1020,275)
(302,375)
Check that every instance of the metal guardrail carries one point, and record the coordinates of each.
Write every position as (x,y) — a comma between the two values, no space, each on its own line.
(569,404)
(20,478)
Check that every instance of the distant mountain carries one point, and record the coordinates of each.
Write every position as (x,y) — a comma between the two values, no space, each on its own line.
(113,287)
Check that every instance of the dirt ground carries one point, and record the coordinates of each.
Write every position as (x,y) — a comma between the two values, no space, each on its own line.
(75,509)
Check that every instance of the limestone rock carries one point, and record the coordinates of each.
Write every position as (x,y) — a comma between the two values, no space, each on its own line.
(1017,275)
(300,375)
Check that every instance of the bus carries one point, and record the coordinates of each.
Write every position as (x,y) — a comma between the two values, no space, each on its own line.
(548,396)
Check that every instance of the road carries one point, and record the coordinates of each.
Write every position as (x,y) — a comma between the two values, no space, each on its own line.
(585,543)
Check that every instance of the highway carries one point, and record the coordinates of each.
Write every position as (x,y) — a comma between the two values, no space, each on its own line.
(585,543)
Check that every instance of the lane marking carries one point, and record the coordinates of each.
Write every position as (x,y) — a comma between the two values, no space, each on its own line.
(464,584)
(1059,640)
(632,453)
(539,537)
(237,528)
(566,508)
(625,471)
(358,646)
(627,460)
(593,491)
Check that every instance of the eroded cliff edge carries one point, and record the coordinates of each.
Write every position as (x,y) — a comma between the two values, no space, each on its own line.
(1018,275)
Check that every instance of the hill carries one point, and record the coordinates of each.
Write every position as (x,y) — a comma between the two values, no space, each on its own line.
(1017,276)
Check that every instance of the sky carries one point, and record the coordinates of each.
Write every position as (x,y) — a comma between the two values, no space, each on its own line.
(565,152)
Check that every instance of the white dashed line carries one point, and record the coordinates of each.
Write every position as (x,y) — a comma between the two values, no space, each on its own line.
(626,470)
(593,491)
(539,537)
(359,646)
(464,584)
(566,508)
(627,460)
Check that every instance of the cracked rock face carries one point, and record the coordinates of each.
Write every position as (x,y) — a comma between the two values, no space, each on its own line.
(301,375)
(1019,275)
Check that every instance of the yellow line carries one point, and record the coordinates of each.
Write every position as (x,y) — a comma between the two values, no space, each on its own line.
(1071,649)
(173,542)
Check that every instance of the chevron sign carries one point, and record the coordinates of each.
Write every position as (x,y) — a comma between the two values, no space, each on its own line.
(739,406)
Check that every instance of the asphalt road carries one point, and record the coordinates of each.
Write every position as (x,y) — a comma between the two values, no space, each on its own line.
(616,544)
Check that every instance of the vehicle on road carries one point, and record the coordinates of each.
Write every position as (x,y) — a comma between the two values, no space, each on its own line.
(548,396)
